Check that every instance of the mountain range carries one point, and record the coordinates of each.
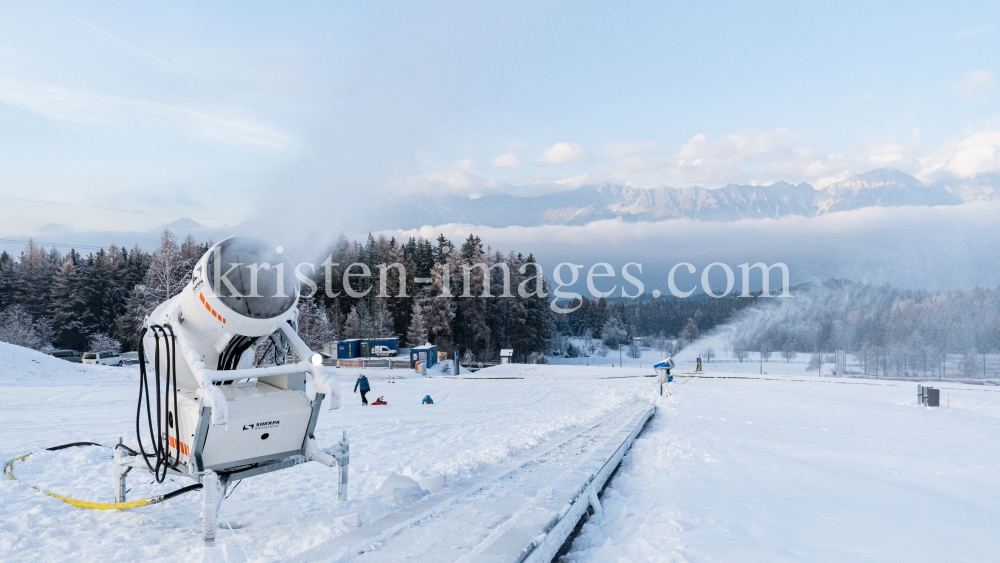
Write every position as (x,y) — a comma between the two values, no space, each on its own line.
(883,187)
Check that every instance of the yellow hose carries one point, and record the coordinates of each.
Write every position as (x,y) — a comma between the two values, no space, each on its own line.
(9,472)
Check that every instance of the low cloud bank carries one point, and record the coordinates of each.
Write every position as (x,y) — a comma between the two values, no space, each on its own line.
(947,247)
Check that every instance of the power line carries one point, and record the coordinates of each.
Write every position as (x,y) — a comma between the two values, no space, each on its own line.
(117,209)
(83,246)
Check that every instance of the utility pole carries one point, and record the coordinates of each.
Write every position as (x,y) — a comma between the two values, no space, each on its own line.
(819,355)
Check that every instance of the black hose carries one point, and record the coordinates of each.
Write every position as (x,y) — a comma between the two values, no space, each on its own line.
(176,411)
(159,436)
(73,445)
(181,491)
(144,385)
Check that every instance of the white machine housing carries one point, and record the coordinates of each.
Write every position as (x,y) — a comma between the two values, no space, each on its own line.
(240,291)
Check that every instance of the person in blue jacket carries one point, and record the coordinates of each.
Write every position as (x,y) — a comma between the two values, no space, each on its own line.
(427,400)
(365,388)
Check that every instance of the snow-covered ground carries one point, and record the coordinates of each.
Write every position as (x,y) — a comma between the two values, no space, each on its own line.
(717,341)
(805,469)
(786,467)
(472,426)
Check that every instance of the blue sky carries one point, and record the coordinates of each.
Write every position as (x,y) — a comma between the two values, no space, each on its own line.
(234,111)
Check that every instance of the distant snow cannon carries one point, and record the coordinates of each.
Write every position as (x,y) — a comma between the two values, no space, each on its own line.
(663,376)
(229,403)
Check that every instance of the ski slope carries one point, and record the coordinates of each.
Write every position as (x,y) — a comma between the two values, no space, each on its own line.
(805,469)
(735,467)
(473,426)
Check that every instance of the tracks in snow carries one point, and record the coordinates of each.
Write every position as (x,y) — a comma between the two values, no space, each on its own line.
(521,510)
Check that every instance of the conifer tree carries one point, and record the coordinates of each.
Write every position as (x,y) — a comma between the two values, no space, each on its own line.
(314,324)
(352,326)
(67,307)
(10,273)
(416,335)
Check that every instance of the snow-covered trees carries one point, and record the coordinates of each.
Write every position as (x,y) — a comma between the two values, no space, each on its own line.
(634,351)
(788,351)
(708,354)
(17,326)
(613,333)
(9,278)
(740,353)
(416,334)
(75,295)
(101,341)
(690,332)
(380,322)
(887,329)
(68,307)
(766,350)
(169,270)
(438,310)
(165,273)
(314,323)
(352,326)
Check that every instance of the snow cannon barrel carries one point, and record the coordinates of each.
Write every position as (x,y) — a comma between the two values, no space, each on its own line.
(243,286)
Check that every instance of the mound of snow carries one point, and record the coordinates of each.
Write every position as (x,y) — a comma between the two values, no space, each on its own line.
(347,522)
(24,366)
(400,488)
(432,482)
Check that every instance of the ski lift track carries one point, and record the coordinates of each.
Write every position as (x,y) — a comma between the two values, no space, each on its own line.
(523,510)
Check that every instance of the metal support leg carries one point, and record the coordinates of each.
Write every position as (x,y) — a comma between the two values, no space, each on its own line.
(343,463)
(338,455)
(121,473)
(210,500)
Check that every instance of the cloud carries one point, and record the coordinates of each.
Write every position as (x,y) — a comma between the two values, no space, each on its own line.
(509,160)
(80,106)
(460,182)
(757,158)
(876,245)
(463,165)
(562,153)
(977,84)
(976,154)
(746,158)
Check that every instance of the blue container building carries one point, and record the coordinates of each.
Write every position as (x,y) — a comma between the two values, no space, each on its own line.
(426,354)
(347,349)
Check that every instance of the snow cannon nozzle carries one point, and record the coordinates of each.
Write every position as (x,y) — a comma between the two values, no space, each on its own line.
(250,277)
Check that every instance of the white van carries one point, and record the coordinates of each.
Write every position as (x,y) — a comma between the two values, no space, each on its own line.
(105,357)
(382,351)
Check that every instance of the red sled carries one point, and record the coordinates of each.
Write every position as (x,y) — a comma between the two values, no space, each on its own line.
(379,401)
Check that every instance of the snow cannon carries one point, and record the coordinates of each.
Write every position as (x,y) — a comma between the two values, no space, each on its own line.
(664,366)
(229,390)
(663,376)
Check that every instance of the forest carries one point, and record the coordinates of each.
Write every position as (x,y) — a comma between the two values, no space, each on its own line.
(99,301)
(890,330)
